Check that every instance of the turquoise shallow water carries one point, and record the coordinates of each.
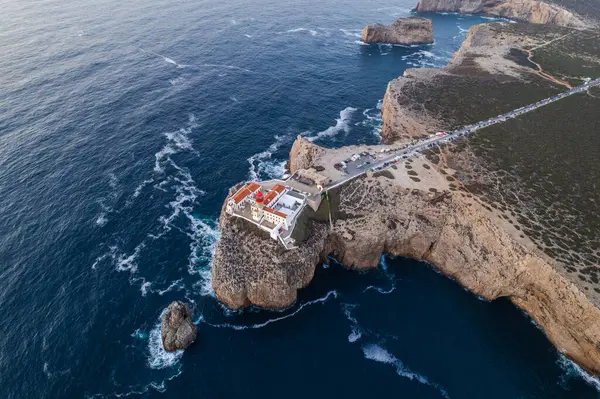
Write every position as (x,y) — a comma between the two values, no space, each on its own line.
(122,125)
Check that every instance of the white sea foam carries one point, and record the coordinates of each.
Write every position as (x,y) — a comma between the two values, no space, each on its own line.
(176,80)
(373,119)
(138,191)
(262,164)
(351,32)
(342,124)
(128,263)
(247,35)
(46,370)
(356,332)
(102,219)
(260,325)
(176,141)
(145,287)
(313,32)
(377,353)
(204,237)
(50,374)
(571,370)
(158,358)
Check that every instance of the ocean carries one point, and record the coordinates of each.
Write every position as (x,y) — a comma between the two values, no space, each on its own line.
(122,126)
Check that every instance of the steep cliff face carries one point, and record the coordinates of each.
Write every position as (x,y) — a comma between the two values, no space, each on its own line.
(405,31)
(483,53)
(538,12)
(303,154)
(453,232)
(400,120)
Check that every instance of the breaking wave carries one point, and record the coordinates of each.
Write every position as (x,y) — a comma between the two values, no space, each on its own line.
(157,357)
(352,32)
(204,236)
(312,32)
(342,125)
(425,58)
(262,164)
(377,353)
(287,316)
(572,370)
(373,119)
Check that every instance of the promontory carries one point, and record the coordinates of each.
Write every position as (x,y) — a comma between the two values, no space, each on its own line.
(487,170)
(404,31)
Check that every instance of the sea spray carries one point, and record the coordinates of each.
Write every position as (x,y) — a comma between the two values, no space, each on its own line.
(342,124)
(379,354)
(356,332)
(276,319)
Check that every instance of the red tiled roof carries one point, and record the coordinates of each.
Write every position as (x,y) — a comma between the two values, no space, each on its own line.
(240,195)
(274,212)
(253,187)
(244,192)
(278,189)
(270,197)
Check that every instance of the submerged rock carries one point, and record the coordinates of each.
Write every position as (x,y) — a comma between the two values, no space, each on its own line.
(413,30)
(177,330)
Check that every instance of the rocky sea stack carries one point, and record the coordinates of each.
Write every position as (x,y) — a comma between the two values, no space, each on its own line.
(177,330)
(405,31)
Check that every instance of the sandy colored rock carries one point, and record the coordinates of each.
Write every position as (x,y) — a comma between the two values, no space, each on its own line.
(177,328)
(303,154)
(405,31)
(534,11)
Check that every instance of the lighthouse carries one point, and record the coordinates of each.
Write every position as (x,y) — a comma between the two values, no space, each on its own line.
(257,207)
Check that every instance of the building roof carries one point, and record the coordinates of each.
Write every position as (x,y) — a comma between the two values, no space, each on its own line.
(244,192)
(274,212)
(240,195)
(275,191)
(279,188)
(253,186)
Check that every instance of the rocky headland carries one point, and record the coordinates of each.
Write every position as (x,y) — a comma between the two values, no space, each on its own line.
(440,207)
(534,11)
(404,31)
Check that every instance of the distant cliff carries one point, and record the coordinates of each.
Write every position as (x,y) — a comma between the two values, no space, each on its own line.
(534,11)
(405,31)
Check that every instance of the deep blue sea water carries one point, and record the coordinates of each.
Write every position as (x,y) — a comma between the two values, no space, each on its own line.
(122,125)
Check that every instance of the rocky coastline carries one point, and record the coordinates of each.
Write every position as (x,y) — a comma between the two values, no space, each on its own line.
(538,12)
(427,218)
(404,31)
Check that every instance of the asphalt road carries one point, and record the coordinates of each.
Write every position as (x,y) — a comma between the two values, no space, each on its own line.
(412,151)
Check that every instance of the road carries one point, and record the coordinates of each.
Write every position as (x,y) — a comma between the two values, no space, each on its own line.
(443,137)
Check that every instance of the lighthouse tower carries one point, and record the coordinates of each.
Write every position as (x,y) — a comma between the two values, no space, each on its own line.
(257,207)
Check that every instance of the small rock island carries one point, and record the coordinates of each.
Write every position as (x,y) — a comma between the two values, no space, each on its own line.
(177,328)
(405,31)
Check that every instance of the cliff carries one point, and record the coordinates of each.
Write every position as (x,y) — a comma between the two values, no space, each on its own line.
(448,229)
(534,11)
(303,154)
(439,213)
(405,31)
